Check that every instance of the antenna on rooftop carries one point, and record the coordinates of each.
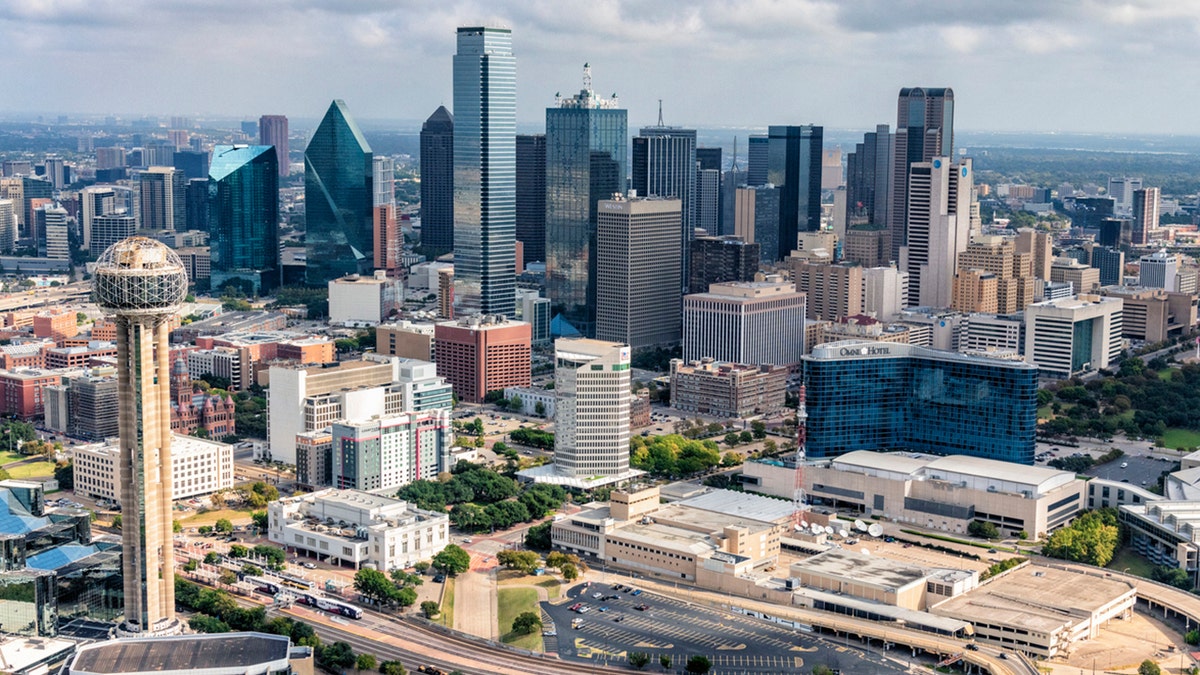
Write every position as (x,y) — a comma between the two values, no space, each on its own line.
(733,165)
(801,439)
(660,122)
(587,77)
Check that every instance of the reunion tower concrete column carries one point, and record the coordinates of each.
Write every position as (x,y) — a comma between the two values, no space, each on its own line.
(143,283)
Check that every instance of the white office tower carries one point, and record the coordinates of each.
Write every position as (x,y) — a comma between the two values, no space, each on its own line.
(1159,270)
(94,201)
(885,292)
(939,225)
(591,413)
(1121,189)
(1075,335)
(8,226)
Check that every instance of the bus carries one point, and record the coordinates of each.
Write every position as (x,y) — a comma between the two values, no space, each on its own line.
(330,605)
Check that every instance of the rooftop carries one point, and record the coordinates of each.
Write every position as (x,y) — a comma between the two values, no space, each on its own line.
(213,654)
(1036,598)
(742,505)
(862,568)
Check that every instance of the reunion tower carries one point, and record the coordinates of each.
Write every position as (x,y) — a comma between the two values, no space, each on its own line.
(143,283)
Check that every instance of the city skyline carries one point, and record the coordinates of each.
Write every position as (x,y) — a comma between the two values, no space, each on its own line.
(1080,56)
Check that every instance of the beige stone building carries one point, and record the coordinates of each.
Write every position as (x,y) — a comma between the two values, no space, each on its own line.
(995,262)
(722,389)
(833,291)
(1152,314)
(1067,270)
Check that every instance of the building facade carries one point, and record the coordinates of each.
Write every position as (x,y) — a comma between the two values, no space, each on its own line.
(198,467)
(638,286)
(437,183)
(485,167)
(937,228)
(531,197)
(871,396)
(1074,335)
(717,260)
(383,454)
(243,211)
(663,164)
(591,410)
(339,172)
(727,389)
(924,130)
(794,168)
(745,322)
(478,355)
(273,131)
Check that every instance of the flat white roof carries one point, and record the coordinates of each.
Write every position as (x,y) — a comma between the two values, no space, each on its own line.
(953,468)
(742,505)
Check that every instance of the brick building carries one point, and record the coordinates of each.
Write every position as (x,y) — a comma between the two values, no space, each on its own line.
(21,394)
(481,354)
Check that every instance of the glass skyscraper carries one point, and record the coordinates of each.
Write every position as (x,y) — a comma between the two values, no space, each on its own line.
(485,171)
(586,141)
(924,130)
(339,173)
(664,165)
(882,396)
(243,211)
(794,167)
(437,183)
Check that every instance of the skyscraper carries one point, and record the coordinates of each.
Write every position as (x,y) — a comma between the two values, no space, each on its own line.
(637,287)
(193,163)
(8,225)
(868,177)
(162,198)
(591,408)
(51,224)
(273,130)
(586,137)
(1121,189)
(243,211)
(485,168)
(338,181)
(437,183)
(756,165)
(388,241)
(531,196)
(664,165)
(196,204)
(95,200)
(708,190)
(1145,214)
(717,260)
(939,224)
(794,167)
(924,130)
(143,283)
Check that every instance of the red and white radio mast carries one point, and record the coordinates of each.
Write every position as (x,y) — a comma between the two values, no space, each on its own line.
(801,438)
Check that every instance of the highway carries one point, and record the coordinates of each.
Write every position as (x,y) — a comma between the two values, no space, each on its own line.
(40,297)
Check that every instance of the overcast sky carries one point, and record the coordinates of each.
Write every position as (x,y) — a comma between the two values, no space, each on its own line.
(1015,65)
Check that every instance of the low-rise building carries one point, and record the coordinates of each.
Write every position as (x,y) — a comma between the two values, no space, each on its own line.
(406,339)
(1166,533)
(940,493)
(349,527)
(531,397)
(21,394)
(1153,314)
(385,453)
(722,389)
(198,467)
(369,300)
(212,654)
(60,358)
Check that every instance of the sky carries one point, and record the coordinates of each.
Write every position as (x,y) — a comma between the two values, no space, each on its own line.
(1015,65)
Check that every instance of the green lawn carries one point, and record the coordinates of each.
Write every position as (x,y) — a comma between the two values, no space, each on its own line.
(1043,413)
(1165,374)
(32,470)
(512,602)
(1137,565)
(7,457)
(447,616)
(1181,438)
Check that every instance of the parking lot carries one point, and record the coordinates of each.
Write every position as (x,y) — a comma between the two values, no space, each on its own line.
(1142,471)
(678,629)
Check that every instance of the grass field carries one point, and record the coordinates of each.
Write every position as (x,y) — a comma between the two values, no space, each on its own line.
(1137,565)
(515,578)
(211,517)
(1181,438)
(31,470)
(511,602)
(1043,413)
(446,618)
(7,457)
(1165,374)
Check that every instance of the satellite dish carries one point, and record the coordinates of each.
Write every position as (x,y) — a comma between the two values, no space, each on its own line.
(817,529)
(843,534)
(860,526)
(804,524)
(828,529)
(875,529)
(865,551)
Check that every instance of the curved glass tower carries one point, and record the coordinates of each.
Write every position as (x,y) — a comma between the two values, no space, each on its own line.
(339,174)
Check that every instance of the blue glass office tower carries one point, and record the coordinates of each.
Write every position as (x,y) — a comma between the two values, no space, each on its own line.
(882,396)
(485,172)
(664,165)
(924,130)
(586,141)
(339,170)
(794,167)
(243,212)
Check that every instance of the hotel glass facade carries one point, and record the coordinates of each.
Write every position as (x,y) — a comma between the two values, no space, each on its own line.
(875,396)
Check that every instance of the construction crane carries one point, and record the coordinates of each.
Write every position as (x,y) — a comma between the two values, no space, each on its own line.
(801,439)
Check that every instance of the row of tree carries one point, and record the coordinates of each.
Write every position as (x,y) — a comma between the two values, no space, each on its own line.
(672,456)
(1092,538)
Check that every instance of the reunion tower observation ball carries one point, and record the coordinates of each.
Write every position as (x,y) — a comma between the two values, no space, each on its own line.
(139,276)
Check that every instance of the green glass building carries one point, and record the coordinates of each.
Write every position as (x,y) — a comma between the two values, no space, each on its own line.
(338,180)
(243,215)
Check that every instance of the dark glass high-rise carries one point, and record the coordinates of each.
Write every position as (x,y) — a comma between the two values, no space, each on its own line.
(437,183)
(794,167)
(924,130)
(243,209)
(338,175)
(531,196)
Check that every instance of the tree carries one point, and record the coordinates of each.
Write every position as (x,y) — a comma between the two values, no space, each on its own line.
(212,558)
(522,561)
(732,439)
(204,529)
(430,609)
(452,560)
(758,429)
(64,473)
(698,664)
(664,660)
(116,521)
(223,525)
(406,597)
(539,409)
(375,586)
(526,623)
(979,528)
(639,659)
(1149,667)
(745,437)
(366,662)
(392,668)
(569,571)
(731,458)
(238,551)
(252,570)
(203,623)
(538,537)
(190,566)
(338,655)
(1174,576)
(822,669)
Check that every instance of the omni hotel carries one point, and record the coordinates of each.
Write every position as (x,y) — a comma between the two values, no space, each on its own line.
(887,396)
